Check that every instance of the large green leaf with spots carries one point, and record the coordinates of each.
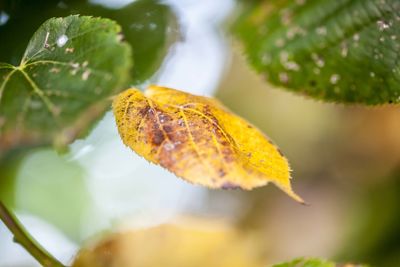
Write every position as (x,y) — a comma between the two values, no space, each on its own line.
(70,69)
(314,262)
(343,51)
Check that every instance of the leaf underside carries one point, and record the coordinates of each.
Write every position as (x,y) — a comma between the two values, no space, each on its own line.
(69,69)
(342,51)
(199,140)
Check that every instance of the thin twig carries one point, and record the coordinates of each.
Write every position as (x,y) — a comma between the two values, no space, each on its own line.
(22,237)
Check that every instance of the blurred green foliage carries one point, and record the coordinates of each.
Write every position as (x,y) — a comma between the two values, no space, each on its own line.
(301,262)
(46,184)
(9,167)
(314,262)
(43,191)
(375,225)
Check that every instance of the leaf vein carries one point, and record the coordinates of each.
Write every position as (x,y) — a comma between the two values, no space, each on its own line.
(50,106)
(6,79)
(191,138)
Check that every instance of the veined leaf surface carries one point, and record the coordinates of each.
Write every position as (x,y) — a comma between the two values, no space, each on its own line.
(341,51)
(200,140)
(70,67)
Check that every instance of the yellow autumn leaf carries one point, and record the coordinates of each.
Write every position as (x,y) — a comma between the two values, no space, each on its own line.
(188,243)
(199,140)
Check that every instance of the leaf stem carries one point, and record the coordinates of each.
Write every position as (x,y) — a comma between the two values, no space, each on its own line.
(22,237)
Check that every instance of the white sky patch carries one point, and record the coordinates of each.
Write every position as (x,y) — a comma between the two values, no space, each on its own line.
(4,17)
(196,64)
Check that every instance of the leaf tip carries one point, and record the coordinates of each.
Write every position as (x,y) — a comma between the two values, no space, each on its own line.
(293,195)
(298,199)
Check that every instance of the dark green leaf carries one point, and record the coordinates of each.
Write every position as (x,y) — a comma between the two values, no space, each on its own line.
(343,51)
(151,28)
(69,70)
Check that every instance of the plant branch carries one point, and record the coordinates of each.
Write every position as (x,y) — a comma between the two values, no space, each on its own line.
(22,237)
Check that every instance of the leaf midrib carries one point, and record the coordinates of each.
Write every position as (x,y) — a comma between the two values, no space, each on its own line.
(50,106)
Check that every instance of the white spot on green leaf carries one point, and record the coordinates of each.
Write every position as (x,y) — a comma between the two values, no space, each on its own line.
(62,40)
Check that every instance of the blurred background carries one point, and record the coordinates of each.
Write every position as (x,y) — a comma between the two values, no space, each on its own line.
(345,159)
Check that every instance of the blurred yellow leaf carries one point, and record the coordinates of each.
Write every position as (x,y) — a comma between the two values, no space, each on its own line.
(198,139)
(193,243)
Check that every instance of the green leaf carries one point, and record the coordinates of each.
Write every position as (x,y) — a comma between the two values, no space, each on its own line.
(69,70)
(149,26)
(314,262)
(343,51)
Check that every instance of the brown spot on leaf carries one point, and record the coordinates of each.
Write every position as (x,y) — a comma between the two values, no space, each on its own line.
(168,128)
(221,173)
(69,50)
(157,137)
(229,185)
(144,111)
